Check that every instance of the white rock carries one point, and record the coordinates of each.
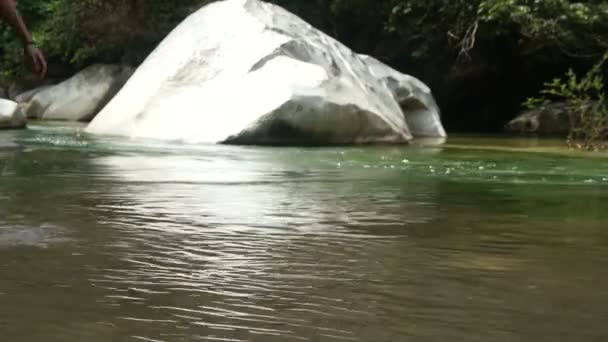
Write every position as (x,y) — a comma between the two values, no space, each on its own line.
(79,98)
(415,98)
(26,84)
(11,115)
(246,71)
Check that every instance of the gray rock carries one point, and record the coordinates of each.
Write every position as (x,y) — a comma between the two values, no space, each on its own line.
(549,119)
(28,95)
(11,115)
(271,79)
(79,98)
(26,84)
(415,98)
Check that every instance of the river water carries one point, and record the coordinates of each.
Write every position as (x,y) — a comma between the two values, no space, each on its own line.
(482,239)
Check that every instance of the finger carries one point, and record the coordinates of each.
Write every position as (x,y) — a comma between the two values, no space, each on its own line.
(44,66)
(39,65)
(36,63)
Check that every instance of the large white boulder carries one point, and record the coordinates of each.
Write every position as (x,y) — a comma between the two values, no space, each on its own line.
(246,71)
(11,115)
(421,112)
(78,98)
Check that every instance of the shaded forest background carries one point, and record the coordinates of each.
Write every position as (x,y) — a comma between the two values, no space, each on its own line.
(482,58)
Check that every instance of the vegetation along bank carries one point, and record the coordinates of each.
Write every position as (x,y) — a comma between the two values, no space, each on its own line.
(486,60)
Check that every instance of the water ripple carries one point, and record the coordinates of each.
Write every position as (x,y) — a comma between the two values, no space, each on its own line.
(156,242)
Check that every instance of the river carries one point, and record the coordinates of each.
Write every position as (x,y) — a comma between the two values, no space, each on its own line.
(482,239)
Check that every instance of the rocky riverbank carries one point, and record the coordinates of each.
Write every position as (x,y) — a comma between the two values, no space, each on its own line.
(78,98)
(273,79)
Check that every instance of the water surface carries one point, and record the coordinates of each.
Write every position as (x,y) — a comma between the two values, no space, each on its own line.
(483,239)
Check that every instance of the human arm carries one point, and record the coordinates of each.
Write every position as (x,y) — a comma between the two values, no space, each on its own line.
(8,11)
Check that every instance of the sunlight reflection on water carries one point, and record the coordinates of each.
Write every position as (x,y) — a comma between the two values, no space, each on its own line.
(103,240)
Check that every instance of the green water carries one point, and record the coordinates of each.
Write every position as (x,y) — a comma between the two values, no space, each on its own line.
(478,240)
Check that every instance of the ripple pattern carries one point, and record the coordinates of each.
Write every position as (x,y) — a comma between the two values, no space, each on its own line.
(105,241)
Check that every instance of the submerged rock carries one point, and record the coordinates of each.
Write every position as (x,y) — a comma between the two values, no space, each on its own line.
(78,98)
(34,236)
(270,79)
(11,115)
(550,119)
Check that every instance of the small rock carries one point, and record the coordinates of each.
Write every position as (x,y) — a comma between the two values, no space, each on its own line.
(548,120)
(11,115)
(27,96)
(79,98)
(26,84)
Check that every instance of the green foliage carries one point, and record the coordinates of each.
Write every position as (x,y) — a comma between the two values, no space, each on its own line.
(576,28)
(434,39)
(432,25)
(587,104)
(80,32)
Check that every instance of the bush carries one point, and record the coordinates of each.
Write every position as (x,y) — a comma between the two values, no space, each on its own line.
(482,58)
(80,32)
(587,103)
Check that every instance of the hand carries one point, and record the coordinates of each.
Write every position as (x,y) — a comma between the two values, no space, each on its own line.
(37,59)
